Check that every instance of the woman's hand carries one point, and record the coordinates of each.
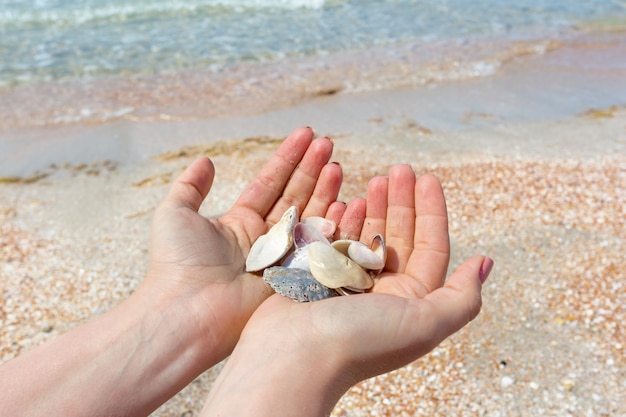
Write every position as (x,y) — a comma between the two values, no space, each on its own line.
(298,359)
(199,264)
(189,312)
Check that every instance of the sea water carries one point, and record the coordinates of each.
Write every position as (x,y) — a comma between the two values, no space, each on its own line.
(46,40)
(66,61)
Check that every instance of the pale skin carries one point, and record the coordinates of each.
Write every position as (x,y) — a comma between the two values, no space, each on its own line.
(191,309)
(188,313)
(298,359)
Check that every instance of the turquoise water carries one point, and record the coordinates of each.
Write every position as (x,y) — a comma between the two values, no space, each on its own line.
(50,40)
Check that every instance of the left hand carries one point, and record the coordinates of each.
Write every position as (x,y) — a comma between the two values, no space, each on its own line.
(198,263)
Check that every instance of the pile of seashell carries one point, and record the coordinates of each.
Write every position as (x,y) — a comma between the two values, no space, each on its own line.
(299,260)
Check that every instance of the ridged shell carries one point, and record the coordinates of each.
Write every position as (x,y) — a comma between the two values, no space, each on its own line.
(297,284)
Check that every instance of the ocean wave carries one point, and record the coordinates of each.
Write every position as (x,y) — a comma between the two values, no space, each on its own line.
(79,14)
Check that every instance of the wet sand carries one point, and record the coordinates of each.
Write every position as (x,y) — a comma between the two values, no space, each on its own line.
(533,164)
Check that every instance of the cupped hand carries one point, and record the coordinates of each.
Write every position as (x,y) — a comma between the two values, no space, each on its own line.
(410,310)
(199,263)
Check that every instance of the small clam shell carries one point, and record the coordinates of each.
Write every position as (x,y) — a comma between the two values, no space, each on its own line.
(297,284)
(365,257)
(272,246)
(368,258)
(379,247)
(299,258)
(325,226)
(304,234)
(334,270)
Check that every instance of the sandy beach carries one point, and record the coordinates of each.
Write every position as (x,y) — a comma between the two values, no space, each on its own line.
(533,164)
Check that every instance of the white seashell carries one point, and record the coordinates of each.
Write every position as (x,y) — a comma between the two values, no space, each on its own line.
(368,258)
(299,258)
(334,270)
(380,248)
(272,246)
(304,234)
(325,226)
(365,256)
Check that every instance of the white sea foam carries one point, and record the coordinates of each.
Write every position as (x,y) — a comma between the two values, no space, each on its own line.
(118,11)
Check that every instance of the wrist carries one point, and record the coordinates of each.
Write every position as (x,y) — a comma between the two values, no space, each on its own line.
(170,320)
(279,374)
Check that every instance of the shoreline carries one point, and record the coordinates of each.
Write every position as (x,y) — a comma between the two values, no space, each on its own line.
(569,82)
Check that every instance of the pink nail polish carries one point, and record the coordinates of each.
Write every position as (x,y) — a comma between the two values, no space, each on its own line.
(485,269)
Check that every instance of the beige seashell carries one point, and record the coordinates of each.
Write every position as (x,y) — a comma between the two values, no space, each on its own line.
(365,257)
(342,245)
(373,258)
(334,270)
(272,246)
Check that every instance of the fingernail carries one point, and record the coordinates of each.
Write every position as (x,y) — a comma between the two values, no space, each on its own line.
(336,163)
(485,269)
(330,139)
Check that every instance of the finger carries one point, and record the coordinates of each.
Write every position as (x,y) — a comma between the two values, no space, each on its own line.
(428,263)
(192,186)
(376,211)
(262,193)
(400,224)
(336,211)
(304,179)
(425,323)
(325,192)
(459,301)
(351,223)
(407,327)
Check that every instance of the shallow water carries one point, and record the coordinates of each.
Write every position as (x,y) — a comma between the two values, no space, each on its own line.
(69,64)
(68,39)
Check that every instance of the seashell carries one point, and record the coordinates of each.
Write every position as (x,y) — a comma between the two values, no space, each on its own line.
(368,258)
(303,235)
(272,246)
(342,245)
(372,258)
(347,291)
(297,284)
(325,226)
(334,270)
(299,258)
(379,247)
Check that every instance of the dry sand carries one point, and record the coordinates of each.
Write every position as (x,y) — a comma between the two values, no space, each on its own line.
(546,198)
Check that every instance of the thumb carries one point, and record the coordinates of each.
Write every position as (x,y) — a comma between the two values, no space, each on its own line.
(459,301)
(193,185)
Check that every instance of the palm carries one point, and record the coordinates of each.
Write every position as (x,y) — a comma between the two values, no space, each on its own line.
(201,262)
(409,311)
